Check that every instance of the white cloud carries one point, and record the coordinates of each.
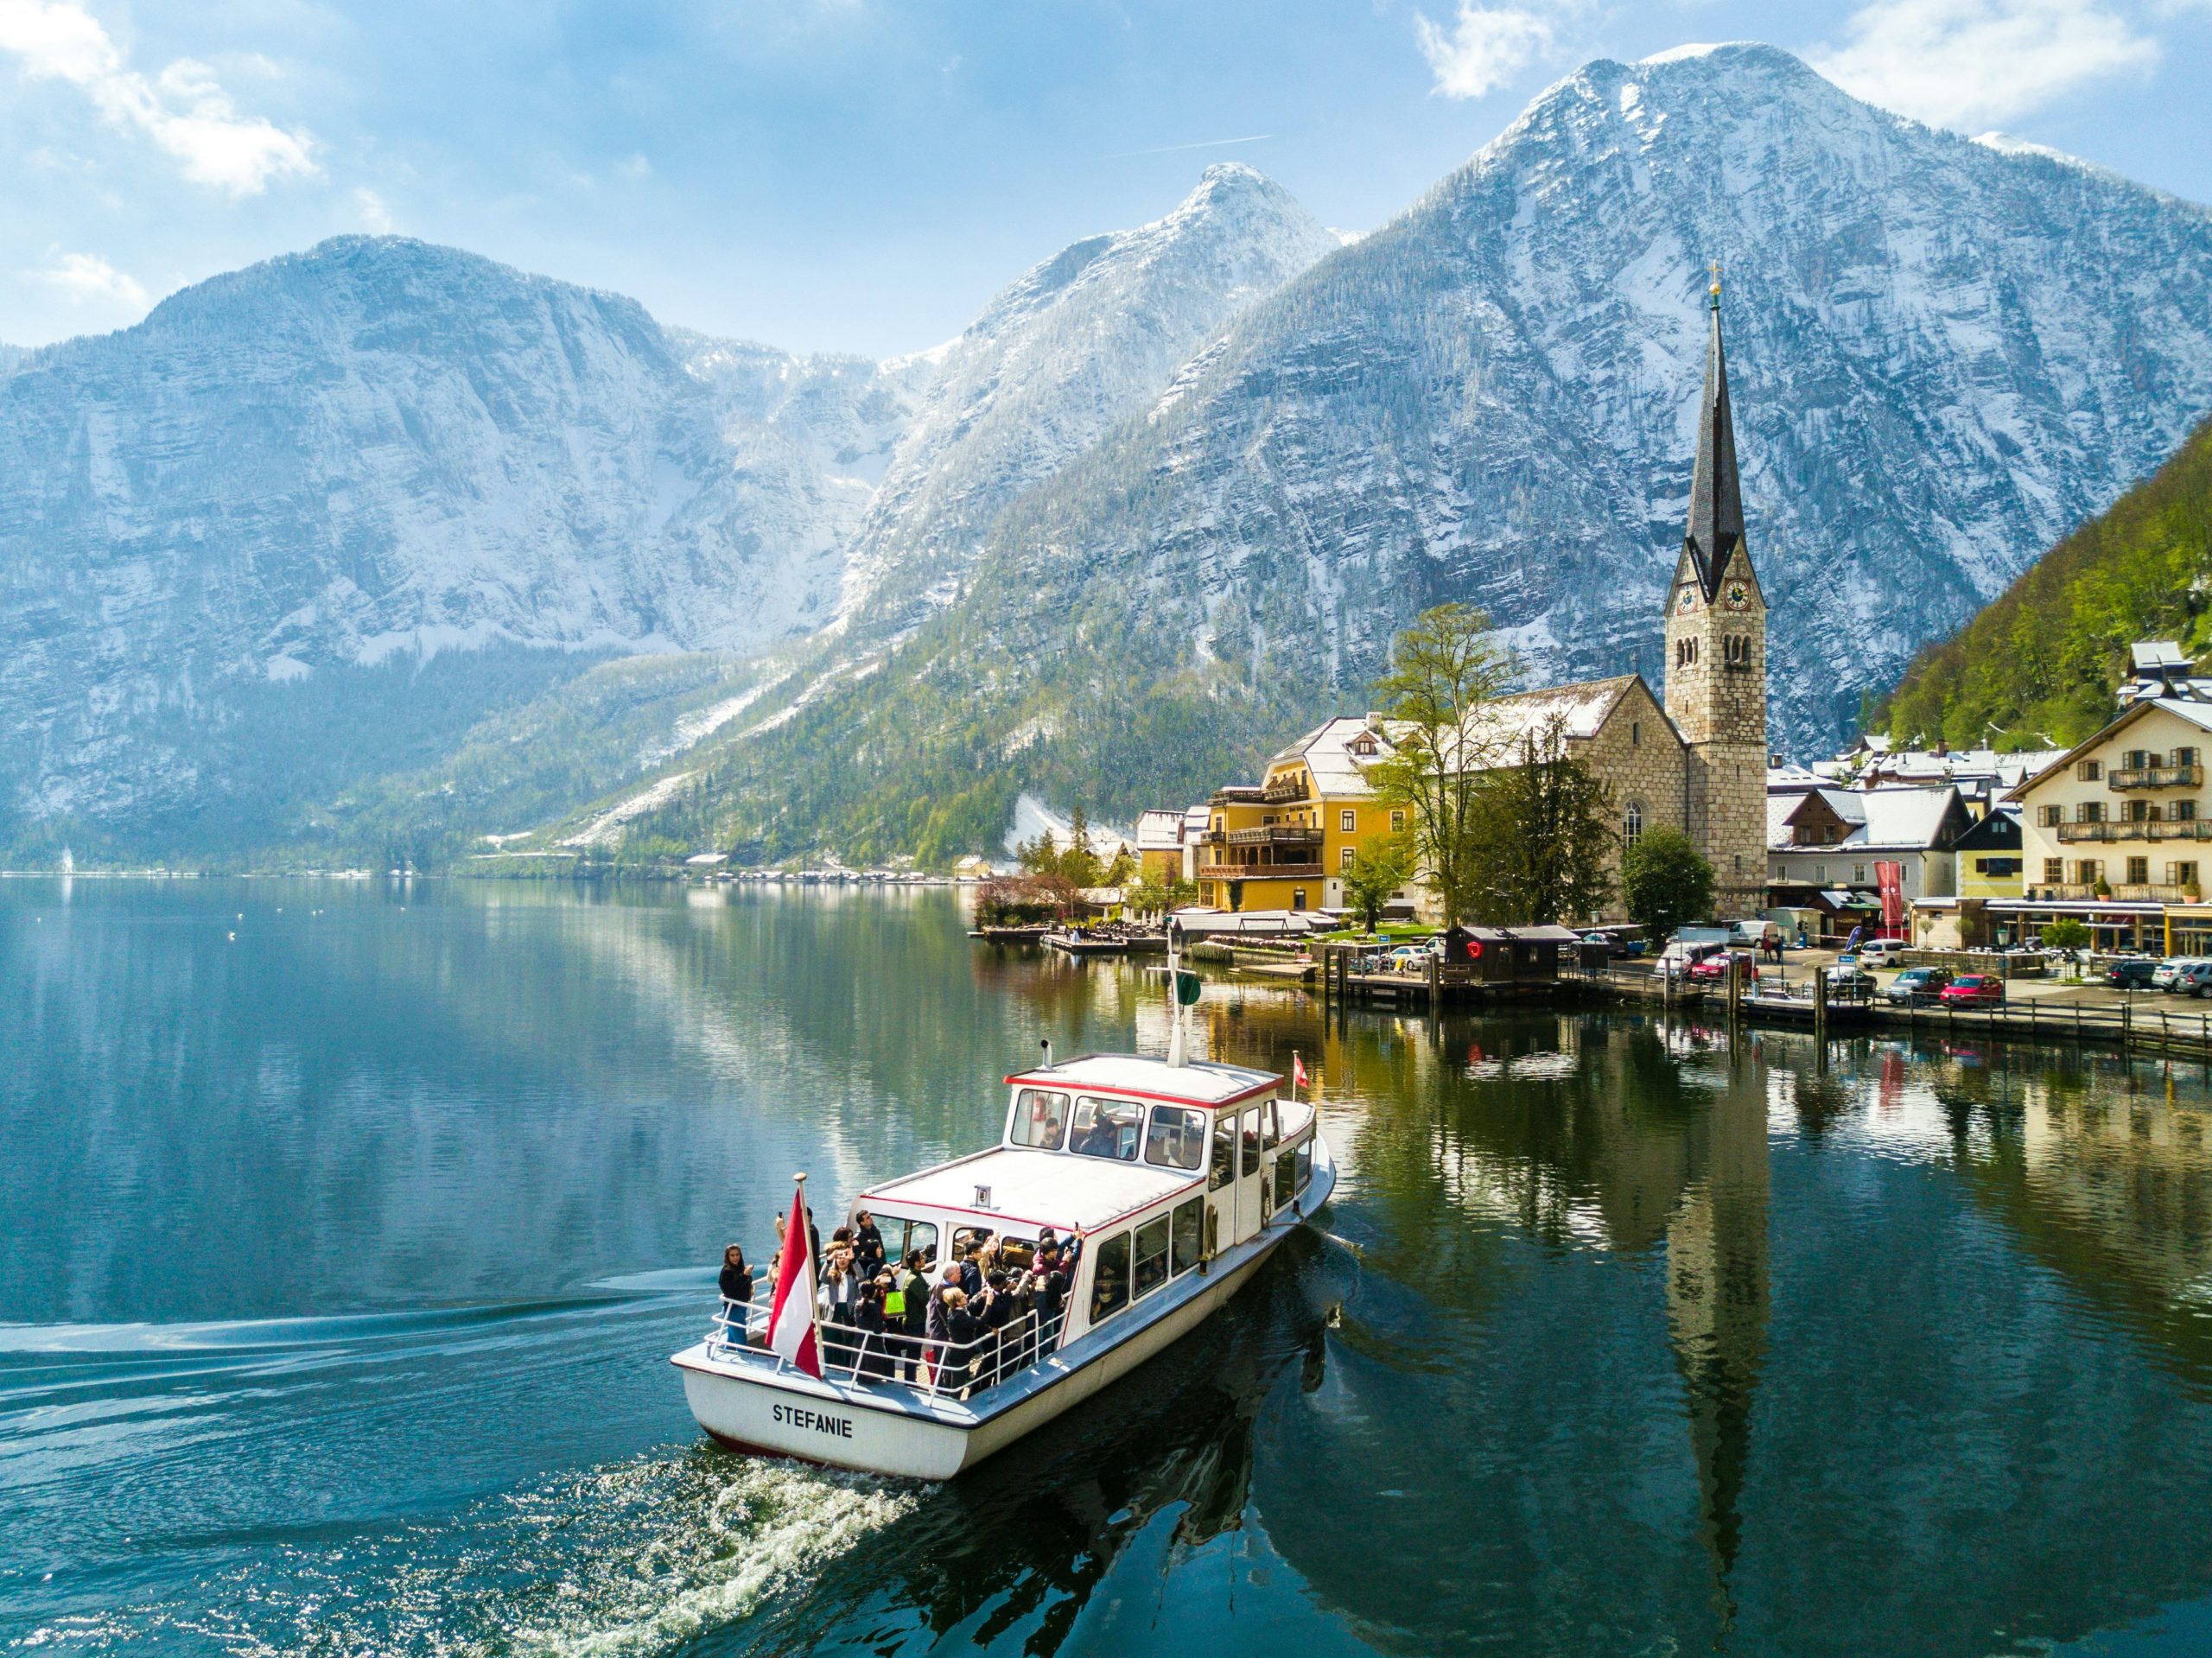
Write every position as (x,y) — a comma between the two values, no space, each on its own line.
(375,213)
(87,279)
(1967,63)
(1485,47)
(183,110)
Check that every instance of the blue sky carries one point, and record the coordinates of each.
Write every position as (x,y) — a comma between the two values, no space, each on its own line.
(861,175)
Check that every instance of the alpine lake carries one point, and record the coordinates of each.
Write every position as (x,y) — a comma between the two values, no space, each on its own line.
(348,1228)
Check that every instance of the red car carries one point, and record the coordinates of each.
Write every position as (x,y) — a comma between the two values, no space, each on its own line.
(1970,988)
(1715,966)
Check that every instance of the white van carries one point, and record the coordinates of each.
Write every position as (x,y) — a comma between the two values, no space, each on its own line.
(1755,934)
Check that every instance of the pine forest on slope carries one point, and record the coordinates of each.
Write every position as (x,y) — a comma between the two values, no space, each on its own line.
(2039,668)
(330,556)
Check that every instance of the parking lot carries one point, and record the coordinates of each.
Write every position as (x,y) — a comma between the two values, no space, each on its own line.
(1798,964)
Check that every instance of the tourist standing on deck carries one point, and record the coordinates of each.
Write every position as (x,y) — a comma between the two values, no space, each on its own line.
(737,1291)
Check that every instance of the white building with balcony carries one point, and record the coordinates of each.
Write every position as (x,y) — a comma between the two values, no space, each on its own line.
(2118,830)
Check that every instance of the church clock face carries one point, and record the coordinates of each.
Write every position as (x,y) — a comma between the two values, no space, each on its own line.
(1687,601)
(1740,596)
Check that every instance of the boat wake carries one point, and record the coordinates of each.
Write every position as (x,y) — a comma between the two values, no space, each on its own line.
(634,1559)
(390,1484)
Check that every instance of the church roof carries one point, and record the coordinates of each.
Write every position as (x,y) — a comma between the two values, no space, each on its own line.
(1493,735)
(1716,518)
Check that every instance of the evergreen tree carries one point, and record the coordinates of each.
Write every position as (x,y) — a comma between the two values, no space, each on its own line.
(1543,835)
(1666,883)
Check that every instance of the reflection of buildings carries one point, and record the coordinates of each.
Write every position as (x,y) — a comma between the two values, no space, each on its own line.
(1717,1306)
(2115,1192)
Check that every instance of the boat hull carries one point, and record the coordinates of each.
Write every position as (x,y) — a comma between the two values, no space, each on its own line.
(886,1429)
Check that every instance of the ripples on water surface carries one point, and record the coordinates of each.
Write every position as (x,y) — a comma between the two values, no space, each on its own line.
(341,1260)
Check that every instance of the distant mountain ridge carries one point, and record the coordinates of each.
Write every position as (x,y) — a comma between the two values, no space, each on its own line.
(305,550)
(380,447)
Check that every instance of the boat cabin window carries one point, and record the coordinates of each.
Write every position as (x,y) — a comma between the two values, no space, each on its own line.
(1251,1143)
(1110,1281)
(1178,1137)
(1151,1268)
(1223,1169)
(1188,1241)
(1040,1118)
(1270,1125)
(900,1236)
(1286,1177)
(1305,1163)
(1107,1127)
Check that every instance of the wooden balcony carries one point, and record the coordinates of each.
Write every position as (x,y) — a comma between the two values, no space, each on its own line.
(2187,828)
(1283,789)
(1260,872)
(1275,835)
(2156,777)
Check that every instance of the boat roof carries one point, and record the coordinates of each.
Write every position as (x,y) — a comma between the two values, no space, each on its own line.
(1035,1188)
(1200,1083)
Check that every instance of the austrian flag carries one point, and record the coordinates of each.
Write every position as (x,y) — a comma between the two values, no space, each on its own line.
(790,1319)
(1297,1071)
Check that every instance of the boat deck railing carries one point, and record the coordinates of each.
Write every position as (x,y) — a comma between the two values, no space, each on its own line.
(931,1366)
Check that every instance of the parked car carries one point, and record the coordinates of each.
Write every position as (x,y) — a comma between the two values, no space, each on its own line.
(1410,958)
(1971,988)
(1918,984)
(2194,980)
(2131,973)
(1846,966)
(1714,969)
(1882,952)
(2164,975)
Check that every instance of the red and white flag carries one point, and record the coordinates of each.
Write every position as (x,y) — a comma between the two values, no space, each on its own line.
(1297,1071)
(790,1320)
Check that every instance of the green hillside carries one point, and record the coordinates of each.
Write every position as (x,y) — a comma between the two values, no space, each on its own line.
(2037,667)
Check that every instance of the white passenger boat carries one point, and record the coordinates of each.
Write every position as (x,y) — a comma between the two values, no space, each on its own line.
(1177,1179)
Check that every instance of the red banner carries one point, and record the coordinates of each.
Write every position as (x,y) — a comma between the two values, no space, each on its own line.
(1890,877)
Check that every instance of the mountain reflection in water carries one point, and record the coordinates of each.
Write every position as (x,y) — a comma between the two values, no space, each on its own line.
(345,1257)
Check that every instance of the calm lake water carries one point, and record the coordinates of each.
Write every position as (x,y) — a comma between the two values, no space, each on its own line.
(348,1228)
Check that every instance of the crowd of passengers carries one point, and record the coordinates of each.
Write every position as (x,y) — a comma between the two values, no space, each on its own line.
(995,1305)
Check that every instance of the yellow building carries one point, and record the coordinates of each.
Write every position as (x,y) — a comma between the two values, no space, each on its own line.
(1286,842)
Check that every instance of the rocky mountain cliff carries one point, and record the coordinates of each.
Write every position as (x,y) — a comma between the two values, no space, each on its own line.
(381,450)
(1943,354)
(1087,337)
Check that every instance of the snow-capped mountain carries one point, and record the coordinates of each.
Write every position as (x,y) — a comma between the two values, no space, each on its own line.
(1090,336)
(380,446)
(1164,502)
(1943,354)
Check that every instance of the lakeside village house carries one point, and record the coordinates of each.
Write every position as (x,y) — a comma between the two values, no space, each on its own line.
(1696,760)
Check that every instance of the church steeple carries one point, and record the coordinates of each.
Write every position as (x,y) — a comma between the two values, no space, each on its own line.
(1716,523)
(1716,653)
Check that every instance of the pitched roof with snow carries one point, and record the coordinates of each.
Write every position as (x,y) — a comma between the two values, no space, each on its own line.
(1330,755)
(1880,819)
(1497,731)
(1159,831)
